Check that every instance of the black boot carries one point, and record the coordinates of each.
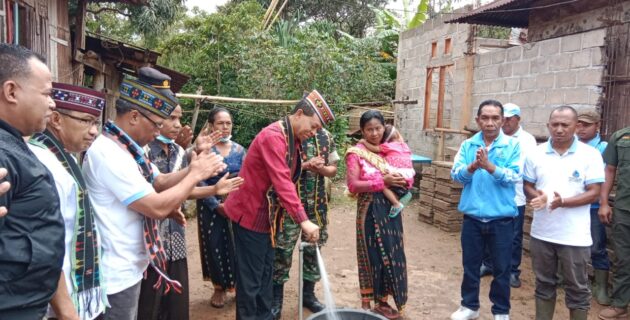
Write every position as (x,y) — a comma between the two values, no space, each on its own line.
(278,297)
(310,300)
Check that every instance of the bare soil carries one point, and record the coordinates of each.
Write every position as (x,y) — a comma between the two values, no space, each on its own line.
(434,272)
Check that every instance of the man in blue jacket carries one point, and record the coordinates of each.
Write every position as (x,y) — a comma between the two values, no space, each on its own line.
(487,165)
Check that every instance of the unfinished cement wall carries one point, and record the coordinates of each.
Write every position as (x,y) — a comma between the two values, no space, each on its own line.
(420,51)
(542,75)
(581,16)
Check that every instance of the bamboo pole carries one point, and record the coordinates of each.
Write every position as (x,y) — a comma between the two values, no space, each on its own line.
(238,100)
(269,13)
(197,106)
(277,14)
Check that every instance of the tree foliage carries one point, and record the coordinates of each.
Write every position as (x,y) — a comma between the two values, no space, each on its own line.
(142,25)
(351,16)
(228,54)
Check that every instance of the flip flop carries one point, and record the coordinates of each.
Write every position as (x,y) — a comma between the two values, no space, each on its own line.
(215,304)
(394,211)
(387,312)
(406,198)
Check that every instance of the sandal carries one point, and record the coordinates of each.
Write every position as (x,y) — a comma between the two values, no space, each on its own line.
(395,211)
(218,299)
(386,311)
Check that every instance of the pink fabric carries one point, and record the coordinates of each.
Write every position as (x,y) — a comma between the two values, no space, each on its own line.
(398,156)
(361,176)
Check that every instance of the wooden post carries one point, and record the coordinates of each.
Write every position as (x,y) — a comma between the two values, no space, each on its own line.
(196,110)
(79,39)
(467,98)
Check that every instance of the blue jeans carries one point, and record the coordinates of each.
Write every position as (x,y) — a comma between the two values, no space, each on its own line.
(599,255)
(497,235)
(517,245)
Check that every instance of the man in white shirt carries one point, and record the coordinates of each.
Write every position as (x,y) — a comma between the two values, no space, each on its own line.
(527,142)
(129,194)
(562,178)
(71,128)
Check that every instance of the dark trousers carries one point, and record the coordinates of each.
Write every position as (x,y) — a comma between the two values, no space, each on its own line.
(497,235)
(154,304)
(33,313)
(517,245)
(621,241)
(254,271)
(123,305)
(599,255)
(573,263)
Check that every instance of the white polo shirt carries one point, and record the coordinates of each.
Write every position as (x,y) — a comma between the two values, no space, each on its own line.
(528,145)
(114,181)
(67,189)
(568,174)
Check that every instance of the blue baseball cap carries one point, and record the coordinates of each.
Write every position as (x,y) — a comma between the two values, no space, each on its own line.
(510,110)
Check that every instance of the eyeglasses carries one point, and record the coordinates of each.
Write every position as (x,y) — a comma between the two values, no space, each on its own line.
(84,122)
(157,125)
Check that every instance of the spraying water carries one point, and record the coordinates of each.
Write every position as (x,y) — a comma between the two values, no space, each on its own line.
(328,297)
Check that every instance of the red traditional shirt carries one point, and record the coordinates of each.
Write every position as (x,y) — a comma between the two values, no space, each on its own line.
(265,165)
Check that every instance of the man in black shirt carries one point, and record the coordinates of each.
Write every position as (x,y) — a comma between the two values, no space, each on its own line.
(32,232)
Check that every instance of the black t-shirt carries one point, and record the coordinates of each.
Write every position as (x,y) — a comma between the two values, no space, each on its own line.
(32,233)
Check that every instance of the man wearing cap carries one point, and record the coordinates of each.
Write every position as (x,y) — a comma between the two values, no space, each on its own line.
(319,161)
(588,132)
(512,127)
(270,170)
(32,232)
(562,177)
(72,128)
(617,159)
(130,195)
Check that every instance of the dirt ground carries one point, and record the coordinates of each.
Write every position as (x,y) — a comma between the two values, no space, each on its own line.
(434,272)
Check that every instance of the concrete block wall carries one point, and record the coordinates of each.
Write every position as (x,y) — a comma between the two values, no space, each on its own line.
(413,60)
(542,75)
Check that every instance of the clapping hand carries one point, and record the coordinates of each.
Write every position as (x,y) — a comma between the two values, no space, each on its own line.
(557,201)
(225,185)
(314,164)
(184,138)
(206,164)
(539,202)
(483,161)
(206,140)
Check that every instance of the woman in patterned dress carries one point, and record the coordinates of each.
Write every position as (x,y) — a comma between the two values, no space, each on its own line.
(215,241)
(380,250)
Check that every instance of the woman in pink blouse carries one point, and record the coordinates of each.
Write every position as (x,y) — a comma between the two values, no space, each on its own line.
(380,249)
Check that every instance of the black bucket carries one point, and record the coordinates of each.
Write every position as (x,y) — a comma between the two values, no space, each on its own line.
(347,314)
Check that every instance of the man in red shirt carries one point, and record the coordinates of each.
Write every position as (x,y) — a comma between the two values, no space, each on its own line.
(270,169)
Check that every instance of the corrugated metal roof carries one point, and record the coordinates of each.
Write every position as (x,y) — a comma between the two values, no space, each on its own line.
(128,58)
(504,13)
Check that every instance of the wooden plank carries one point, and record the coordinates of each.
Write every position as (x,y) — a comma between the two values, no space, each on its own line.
(440,106)
(196,110)
(466,108)
(79,38)
(427,98)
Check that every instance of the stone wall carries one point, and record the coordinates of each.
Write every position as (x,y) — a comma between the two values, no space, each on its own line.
(537,76)
(413,61)
(542,75)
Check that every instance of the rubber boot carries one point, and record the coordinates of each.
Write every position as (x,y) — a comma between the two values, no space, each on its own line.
(600,287)
(278,297)
(545,309)
(310,301)
(575,314)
